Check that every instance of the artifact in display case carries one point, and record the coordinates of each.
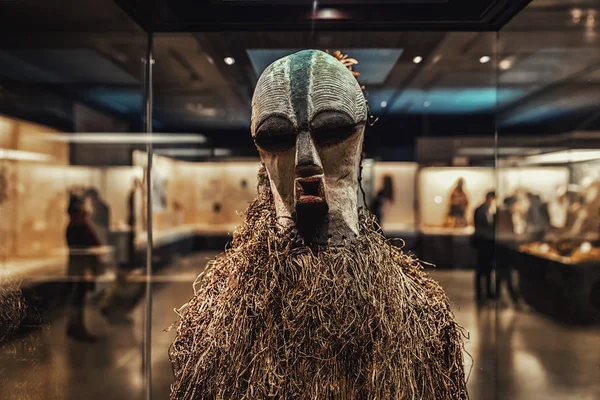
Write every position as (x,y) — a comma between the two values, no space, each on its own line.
(198,198)
(574,234)
(458,203)
(552,211)
(448,197)
(294,308)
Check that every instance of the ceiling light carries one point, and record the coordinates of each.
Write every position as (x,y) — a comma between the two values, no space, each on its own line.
(229,60)
(210,59)
(505,64)
(590,20)
(184,152)
(179,152)
(438,199)
(585,247)
(417,59)
(484,59)
(327,13)
(222,152)
(426,104)
(198,108)
(564,157)
(383,104)
(126,138)
(20,155)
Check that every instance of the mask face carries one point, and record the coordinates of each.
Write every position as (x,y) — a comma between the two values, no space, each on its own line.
(308,119)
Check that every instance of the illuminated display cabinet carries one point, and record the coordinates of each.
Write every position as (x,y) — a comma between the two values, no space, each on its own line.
(549,221)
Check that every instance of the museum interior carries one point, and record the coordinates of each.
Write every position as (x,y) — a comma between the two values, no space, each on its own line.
(137,119)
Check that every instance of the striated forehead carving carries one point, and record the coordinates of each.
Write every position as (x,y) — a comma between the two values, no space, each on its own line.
(302,85)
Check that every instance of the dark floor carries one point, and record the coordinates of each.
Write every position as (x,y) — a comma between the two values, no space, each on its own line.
(513,354)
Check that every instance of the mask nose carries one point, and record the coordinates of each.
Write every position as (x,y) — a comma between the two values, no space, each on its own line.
(308,162)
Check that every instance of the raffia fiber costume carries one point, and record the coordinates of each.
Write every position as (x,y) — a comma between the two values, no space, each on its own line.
(282,316)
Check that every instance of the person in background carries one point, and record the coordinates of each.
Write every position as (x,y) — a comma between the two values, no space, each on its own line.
(537,217)
(511,230)
(123,295)
(558,209)
(483,241)
(101,214)
(384,196)
(131,222)
(83,263)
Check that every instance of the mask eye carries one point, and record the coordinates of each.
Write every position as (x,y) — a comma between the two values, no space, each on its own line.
(275,134)
(332,127)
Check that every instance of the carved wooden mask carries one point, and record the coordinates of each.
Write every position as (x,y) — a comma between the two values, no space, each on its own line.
(308,120)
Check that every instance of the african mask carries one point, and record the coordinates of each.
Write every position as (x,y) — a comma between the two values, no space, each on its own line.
(308,120)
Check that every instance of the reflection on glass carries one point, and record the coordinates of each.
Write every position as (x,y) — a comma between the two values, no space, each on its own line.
(547,185)
(70,106)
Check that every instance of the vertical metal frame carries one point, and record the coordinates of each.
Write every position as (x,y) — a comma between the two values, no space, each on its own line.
(147,334)
(495,60)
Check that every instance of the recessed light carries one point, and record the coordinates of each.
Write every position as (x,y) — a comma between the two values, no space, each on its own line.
(576,14)
(484,59)
(327,13)
(585,247)
(417,59)
(229,60)
(383,104)
(505,64)
(426,104)
(438,199)
(590,20)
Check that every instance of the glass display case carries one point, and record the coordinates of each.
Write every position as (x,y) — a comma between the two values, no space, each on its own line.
(448,197)
(548,222)
(395,183)
(127,164)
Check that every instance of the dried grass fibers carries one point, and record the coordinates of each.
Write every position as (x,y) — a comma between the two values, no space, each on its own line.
(273,319)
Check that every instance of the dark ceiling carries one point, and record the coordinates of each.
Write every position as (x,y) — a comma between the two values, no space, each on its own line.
(542,76)
(308,15)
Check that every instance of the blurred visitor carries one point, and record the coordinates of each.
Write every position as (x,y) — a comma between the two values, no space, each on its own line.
(558,209)
(83,264)
(537,217)
(587,216)
(384,197)
(100,215)
(511,218)
(124,294)
(459,201)
(131,221)
(512,227)
(483,241)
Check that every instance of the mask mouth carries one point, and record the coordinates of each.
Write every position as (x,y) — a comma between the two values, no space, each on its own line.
(310,203)
(310,191)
